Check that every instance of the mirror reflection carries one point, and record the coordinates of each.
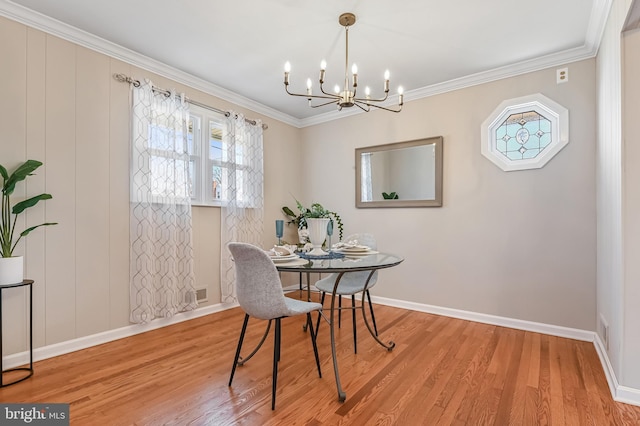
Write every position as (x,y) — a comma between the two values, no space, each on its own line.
(403,174)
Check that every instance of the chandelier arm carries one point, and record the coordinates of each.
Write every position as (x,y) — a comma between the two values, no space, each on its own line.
(324,104)
(365,100)
(309,97)
(333,95)
(359,105)
(386,109)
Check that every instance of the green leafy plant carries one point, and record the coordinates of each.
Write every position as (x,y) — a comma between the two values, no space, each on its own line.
(315,211)
(10,214)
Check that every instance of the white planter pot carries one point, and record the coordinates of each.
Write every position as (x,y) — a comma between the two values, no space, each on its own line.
(317,234)
(11,270)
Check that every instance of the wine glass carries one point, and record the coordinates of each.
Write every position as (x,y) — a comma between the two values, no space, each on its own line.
(329,233)
(279,230)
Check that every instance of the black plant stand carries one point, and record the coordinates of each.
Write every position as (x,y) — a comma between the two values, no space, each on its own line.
(30,368)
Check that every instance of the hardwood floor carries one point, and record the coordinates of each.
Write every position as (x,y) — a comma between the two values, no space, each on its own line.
(442,371)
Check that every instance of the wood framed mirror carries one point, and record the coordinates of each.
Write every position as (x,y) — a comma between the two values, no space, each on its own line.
(401,174)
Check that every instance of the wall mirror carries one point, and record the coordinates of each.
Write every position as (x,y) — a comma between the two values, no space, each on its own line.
(402,174)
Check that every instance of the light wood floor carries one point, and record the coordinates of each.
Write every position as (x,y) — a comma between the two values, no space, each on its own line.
(442,371)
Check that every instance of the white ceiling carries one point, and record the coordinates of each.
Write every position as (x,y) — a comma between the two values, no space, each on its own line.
(429,46)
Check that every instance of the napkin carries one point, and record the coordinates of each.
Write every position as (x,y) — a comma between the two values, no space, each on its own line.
(278,251)
(348,244)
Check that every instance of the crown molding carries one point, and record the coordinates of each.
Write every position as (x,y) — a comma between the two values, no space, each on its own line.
(595,30)
(524,67)
(599,13)
(82,38)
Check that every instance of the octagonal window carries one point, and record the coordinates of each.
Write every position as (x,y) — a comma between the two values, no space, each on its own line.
(525,133)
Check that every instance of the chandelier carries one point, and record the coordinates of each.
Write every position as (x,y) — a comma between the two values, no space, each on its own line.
(347,96)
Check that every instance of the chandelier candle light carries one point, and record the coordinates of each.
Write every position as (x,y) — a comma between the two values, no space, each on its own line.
(345,98)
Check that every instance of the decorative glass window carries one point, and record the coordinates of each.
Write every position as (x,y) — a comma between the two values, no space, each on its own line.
(525,133)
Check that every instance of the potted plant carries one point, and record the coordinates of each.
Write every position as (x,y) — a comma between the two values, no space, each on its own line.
(307,219)
(11,268)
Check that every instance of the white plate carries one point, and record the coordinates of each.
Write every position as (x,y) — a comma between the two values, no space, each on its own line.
(295,262)
(359,253)
(279,259)
(355,249)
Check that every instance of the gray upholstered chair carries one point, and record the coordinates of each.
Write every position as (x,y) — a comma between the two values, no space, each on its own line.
(260,295)
(351,284)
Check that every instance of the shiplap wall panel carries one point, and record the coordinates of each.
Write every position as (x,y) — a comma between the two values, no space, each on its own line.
(57,96)
(35,254)
(92,191)
(63,107)
(60,99)
(13,125)
(119,134)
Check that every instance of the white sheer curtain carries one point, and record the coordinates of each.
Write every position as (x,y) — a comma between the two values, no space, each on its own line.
(161,252)
(242,212)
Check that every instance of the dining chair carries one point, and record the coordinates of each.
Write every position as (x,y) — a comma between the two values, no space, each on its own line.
(260,295)
(351,284)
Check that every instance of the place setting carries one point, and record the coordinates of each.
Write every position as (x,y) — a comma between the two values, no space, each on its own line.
(284,253)
(353,249)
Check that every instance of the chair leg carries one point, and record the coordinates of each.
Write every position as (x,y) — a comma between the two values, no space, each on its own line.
(373,317)
(353,317)
(276,359)
(235,360)
(319,316)
(313,341)
(339,310)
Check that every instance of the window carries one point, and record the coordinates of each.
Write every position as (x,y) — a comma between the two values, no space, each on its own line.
(525,133)
(215,167)
(166,159)
(206,156)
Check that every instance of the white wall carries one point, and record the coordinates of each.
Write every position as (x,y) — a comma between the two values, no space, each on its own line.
(516,244)
(610,291)
(631,211)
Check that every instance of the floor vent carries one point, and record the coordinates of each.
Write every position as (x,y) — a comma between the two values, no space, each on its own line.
(201,294)
(604,332)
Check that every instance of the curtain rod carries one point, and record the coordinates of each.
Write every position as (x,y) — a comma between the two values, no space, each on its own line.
(136,83)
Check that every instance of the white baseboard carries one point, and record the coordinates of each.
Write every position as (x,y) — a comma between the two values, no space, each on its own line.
(627,395)
(601,350)
(553,330)
(50,351)
(619,393)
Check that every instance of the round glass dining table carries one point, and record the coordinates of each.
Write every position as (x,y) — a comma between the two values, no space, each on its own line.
(341,266)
